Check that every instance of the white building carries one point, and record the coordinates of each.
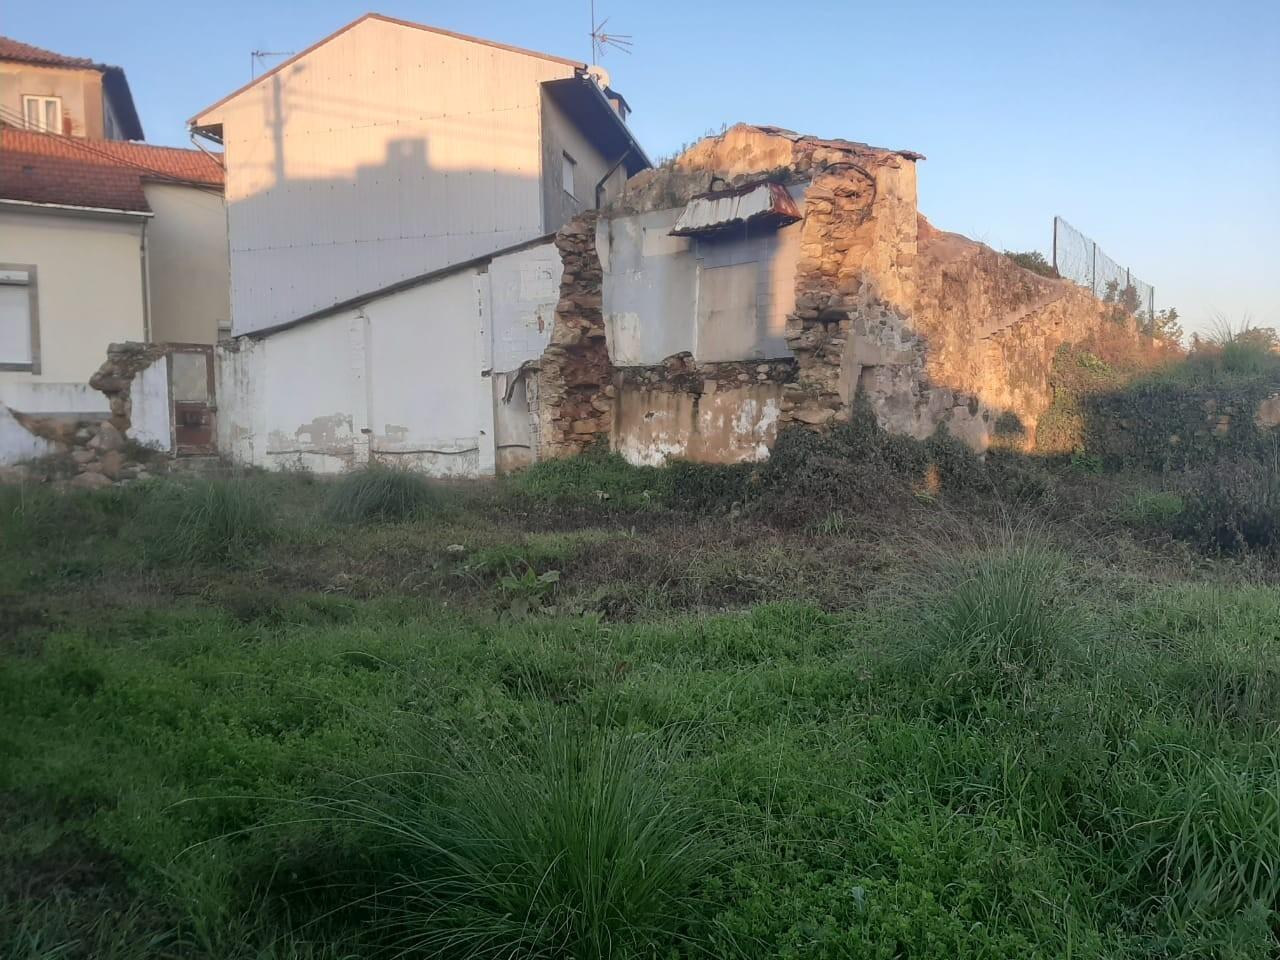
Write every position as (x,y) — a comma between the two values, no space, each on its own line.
(391,149)
(101,240)
(391,193)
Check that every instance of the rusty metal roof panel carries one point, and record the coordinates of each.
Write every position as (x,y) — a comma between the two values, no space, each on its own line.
(762,203)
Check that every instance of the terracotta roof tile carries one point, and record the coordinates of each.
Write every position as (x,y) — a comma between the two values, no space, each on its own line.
(25,53)
(46,168)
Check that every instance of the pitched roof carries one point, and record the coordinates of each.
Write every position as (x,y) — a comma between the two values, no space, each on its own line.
(578,64)
(11,49)
(114,84)
(105,174)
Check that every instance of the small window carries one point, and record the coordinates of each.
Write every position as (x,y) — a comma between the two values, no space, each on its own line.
(43,113)
(19,330)
(566,174)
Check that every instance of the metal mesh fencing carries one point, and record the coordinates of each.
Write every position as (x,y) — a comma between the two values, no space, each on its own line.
(1080,259)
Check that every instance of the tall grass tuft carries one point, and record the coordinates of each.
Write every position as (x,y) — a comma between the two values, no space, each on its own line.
(378,493)
(579,847)
(208,521)
(1003,624)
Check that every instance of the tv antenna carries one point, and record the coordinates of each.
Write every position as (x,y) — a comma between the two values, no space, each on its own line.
(258,59)
(602,41)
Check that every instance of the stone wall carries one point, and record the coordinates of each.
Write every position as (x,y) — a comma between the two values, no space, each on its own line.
(96,453)
(932,328)
(575,389)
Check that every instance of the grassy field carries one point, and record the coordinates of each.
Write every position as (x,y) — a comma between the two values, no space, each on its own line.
(880,704)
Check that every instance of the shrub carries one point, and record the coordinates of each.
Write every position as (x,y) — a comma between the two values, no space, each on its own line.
(595,476)
(1034,261)
(206,521)
(380,494)
(579,847)
(707,487)
(1234,506)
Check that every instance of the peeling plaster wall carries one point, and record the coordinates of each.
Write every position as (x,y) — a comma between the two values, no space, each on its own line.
(735,425)
(720,299)
(407,378)
(150,416)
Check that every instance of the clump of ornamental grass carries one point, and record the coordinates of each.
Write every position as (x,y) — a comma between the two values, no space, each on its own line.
(381,494)
(216,521)
(1002,621)
(577,845)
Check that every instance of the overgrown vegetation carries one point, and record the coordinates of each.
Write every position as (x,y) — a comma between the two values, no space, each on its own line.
(381,493)
(1034,261)
(876,697)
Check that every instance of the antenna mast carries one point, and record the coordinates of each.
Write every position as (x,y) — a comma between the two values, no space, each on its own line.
(600,40)
(257,58)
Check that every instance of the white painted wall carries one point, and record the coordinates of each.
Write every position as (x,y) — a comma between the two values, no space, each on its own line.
(414,369)
(90,293)
(386,152)
(150,406)
(17,443)
(718,299)
(187,263)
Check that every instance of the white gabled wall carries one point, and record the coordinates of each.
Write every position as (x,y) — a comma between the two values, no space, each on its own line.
(382,154)
(415,378)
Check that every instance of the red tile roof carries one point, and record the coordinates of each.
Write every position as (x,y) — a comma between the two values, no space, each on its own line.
(46,168)
(25,53)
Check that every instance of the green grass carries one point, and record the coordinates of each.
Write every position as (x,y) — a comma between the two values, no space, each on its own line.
(577,843)
(379,493)
(941,738)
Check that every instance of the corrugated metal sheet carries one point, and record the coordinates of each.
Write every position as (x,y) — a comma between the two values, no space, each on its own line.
(758,203)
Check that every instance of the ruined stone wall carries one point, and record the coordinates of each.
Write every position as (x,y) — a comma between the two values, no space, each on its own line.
(575,391)
(931,328)
(92,453)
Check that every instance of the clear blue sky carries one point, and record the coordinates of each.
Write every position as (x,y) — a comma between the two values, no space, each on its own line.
(1153,126)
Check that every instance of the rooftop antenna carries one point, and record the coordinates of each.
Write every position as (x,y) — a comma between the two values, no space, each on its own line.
(258,59)
(601,41)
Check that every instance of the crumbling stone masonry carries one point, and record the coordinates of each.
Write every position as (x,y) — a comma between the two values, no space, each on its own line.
(930,327)
(575,378)
(98,451)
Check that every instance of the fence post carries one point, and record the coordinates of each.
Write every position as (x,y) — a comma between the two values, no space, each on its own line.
(1055,244)
(1093,269)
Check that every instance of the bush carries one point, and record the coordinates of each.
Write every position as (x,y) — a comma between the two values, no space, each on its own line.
(579,847)
(381,494)
(595,476)
(206,521)
(1233,507)
(1034,261)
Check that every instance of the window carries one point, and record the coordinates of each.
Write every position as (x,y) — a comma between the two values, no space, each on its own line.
(19,330)
(566,173)
(43,113)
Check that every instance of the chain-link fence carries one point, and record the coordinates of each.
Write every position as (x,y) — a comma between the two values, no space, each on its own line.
(1079,259)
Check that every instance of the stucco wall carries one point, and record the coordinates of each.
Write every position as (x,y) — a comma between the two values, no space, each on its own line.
(407,379)
(89,292)
(719,299)
(187,264)
(432,158)
(79,90)
(559,136)
(734,425)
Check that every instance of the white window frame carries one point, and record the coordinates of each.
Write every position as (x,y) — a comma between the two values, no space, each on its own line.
(28,99)
(9,278)
(568,166)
